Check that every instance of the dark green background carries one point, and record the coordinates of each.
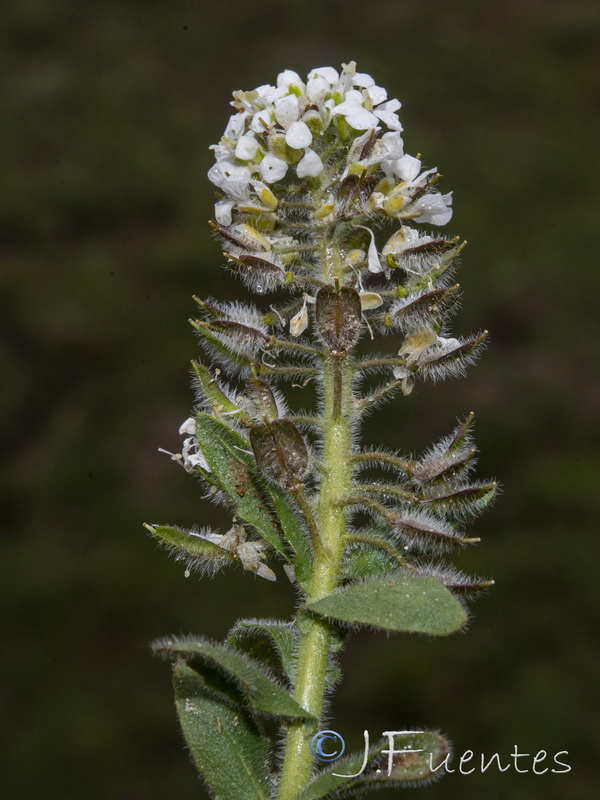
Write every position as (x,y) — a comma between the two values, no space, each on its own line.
(108,112)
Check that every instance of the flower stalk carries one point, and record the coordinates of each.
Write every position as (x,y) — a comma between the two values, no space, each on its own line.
(307,177)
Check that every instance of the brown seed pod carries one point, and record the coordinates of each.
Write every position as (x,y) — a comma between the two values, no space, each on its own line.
(262,397)
(339,318)
(280,452)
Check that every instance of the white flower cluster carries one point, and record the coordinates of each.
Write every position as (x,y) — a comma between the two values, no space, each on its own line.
(292,128)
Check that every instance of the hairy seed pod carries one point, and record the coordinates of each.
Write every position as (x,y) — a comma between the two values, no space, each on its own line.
(262,397)
(339,317)
(280,452)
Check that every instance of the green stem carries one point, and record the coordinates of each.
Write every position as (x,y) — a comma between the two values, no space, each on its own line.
(316,633)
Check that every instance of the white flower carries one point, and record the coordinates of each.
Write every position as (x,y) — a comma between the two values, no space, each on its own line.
(224,212)
(316,89)
(386,113)
(272,169)
(300,116)
(298,135)
(356,114)
(372,256)
(310,165)
(189,426)
(235,126)
(433,208)
(328,73)
(362,79)
(287,110)
(404,239)
(191,455)
(261,121)
(233,179)
(407,168)
(290,78)
(246,147)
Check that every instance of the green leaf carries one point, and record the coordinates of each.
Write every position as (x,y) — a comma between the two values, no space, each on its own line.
(408,768)
(292,531)
(225,743)
(254,685)
(275,644)
(234,470)
(395,602)
(270,641)
(211,390)
(364,560)
(192,547)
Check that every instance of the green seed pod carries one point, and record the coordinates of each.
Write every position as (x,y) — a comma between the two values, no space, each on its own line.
(280,452)
(339,318)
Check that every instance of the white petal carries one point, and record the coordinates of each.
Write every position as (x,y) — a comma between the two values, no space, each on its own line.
(348,107)
(354,96)
(287,110)
(316,89)
(401,372)
(377,94)
(272,169)
(391,105)
(407,168)
(329,73)
(448,344)
(389,118)
(261,121)
(362,120)
(264,572)
(310,165)
(196,460)
(236,186)
(372,256)
(434,208)
(189,426)
(223,211)
(269,94)
(404,239)
(246,147)
(298,135)
(236,124)
(290,78)
(363,80)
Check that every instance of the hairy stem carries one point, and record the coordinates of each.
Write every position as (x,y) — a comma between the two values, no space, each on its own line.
(316,633)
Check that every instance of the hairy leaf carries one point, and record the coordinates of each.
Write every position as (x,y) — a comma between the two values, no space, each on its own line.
(234,471)
(193,548)
(270,641)
(259,690)
(426,751)
(224,741)
(395,602)
(211,390)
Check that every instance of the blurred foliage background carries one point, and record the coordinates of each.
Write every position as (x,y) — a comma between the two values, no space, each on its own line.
(108,111)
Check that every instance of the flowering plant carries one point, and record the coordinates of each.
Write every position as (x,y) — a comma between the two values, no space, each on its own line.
(308,175)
